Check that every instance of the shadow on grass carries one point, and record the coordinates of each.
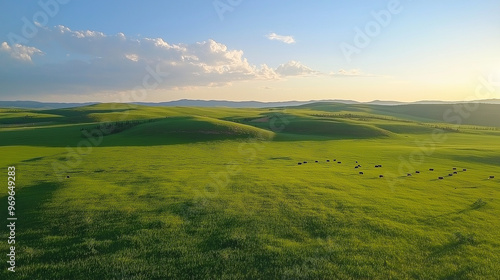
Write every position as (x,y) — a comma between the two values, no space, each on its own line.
(184,130)
(474,206)
(458,275)
(66,116)
(53,237)
(486,159)
(33,159)
(452,247)
(64,136)
(29,201)
(448,248)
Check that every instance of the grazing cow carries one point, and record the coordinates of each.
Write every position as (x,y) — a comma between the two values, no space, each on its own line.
(356,161)
(376,166)
(305,161)
(431,169)
(300,163)
(334,160)
(339,162)
(359,165)
(450,174)
(67,177)
(440,178)
(454,168)
(455,172)
(361,173)
(418,172)
(492,177)
(327,160)
(465,169)
(381,176)
(316,161)
(356,167)
(408,174)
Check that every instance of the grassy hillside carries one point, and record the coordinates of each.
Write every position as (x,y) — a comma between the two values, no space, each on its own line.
(186,130)
(217,193)
(467,114)
(472,114)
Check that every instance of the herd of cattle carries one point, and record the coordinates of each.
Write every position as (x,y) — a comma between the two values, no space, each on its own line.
(357,166)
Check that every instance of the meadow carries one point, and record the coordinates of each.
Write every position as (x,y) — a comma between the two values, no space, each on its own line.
(217,193)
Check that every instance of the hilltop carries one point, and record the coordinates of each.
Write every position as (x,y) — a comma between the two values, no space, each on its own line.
(325,190)
(231,104)
(131,124)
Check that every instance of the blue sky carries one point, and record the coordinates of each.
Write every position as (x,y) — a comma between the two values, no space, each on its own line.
(247,50)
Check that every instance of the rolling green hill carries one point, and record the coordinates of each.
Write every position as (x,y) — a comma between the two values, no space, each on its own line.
(464,113)
(187,130)
(218,193)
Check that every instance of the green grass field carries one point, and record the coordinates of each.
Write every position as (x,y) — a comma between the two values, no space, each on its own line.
(217,193)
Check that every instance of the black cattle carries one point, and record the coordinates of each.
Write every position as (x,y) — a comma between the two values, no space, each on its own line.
(381,176)
(67,177)
(300,163)
(450,174)
(431,169)
(361,173)
(465,169)
(316,161)
(356,167)
(455,172)
(408,174)
(454,168)
(327,160)
(334,160)
(440,178)
(492,177)
(356,161)
(418,172)
(339,162)
(305,161)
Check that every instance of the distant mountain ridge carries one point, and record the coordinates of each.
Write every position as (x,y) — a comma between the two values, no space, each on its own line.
(230,104)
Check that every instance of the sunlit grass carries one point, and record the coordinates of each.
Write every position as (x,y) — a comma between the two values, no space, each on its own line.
(134,208)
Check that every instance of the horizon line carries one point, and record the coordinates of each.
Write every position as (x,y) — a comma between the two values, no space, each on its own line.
(258,101)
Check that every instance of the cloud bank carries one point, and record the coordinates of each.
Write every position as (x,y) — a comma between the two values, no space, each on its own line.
(91,61)
(19,52)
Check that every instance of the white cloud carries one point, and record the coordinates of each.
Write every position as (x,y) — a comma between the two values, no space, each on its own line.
(295,68)
(116,62)
(19,51)
(284,39)
(91,61)
(132,57)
